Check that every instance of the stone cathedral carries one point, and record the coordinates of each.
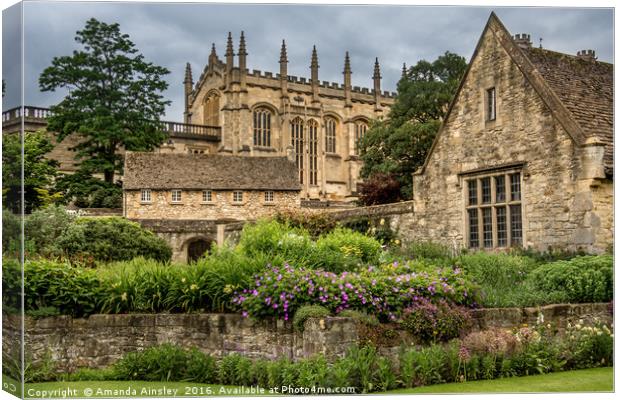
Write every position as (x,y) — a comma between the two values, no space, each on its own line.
(261,114)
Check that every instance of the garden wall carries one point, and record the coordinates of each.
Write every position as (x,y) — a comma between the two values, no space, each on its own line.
(100,340)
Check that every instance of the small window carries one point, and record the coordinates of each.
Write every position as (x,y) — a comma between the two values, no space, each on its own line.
(207,196)
(491,104)
(237,196)
(269,196)
(145,196)
(176,196)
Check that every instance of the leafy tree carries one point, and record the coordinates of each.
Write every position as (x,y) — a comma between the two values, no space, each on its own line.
(87,191)
(39,172)
(379,188)
(113,98)
(399,144)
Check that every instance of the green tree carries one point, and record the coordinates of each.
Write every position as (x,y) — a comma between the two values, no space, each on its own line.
(113,98)
(39,171)
(398,145)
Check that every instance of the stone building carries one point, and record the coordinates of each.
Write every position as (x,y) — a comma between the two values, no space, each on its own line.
(192,200)
(262,114)
(525,154)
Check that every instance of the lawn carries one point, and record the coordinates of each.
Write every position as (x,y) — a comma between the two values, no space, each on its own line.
(588,380)
(585,380)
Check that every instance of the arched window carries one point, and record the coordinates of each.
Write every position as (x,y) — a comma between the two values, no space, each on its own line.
(313,145)
(330,135)
(297,141)
(262,127)
(360,130)
(212,109)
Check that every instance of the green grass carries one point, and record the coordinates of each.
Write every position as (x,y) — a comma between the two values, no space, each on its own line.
(585,380)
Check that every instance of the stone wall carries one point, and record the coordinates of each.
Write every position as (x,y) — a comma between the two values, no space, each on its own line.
(100,340)
(222,207)
(557,203)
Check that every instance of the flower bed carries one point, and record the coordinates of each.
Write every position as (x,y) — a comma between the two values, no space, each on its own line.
(383,291)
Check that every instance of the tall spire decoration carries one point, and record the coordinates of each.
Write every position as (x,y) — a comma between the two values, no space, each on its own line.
(314,75)
(213,55)
(188,82)
(229,60)
(347,80)
(404,74)
(242,61)
(376,78)
(283,71)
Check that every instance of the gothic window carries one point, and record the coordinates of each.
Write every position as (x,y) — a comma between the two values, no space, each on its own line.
(494,215)
(212,109)
(330,135)
(262,127)
(360,130)
(313,144)
(297,141)
(176,196)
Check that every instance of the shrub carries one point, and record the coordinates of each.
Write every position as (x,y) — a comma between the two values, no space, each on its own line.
(360,316)
(316,224)
(11,232)
(496,341)
(383,292)
(165,363)
(428,250)
(112,239)
(44,226)
(503,279)
(91,374)
(588,346)
(581,279)
(312,371)
(309,311)
(433,322)
(351,243)
(379,188)
(86,191)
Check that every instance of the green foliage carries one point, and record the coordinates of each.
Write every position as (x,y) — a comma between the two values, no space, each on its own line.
(581,279)
(361,316)
(503,279)
(112,239)
(309,311)
(113,98)
(11,232)
(588,346)
(91,374)
(428,250)
(86,191)
(351,244)
(432,322)
(45,226)
(316,224)
(399,144)
(39,171)
(166,363)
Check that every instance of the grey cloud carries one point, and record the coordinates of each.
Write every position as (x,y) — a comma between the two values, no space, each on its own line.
(173,34)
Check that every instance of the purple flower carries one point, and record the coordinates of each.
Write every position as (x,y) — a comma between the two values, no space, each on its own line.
(244,314)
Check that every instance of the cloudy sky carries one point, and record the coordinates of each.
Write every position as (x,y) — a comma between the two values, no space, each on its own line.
(173,34)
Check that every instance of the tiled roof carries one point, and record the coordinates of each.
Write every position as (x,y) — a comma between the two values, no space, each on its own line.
(206,171)
(586,90)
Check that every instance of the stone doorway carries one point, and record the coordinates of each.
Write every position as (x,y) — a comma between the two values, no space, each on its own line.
(197,249)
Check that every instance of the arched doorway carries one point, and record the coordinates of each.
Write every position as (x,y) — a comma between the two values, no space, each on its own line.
(197,248)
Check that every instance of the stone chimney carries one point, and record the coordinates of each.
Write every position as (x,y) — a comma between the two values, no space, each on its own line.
(588,55)
(523,40)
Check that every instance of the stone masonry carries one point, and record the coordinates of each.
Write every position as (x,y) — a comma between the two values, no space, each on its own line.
(100,340)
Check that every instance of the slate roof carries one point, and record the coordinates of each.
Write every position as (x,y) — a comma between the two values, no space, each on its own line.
(585,88)
(163,171)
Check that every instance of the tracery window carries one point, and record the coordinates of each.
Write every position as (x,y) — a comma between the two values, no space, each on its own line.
(212,109)
(360,130)
(330,135)
(313,144)
(494,215)
(297,141)
(262,127)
